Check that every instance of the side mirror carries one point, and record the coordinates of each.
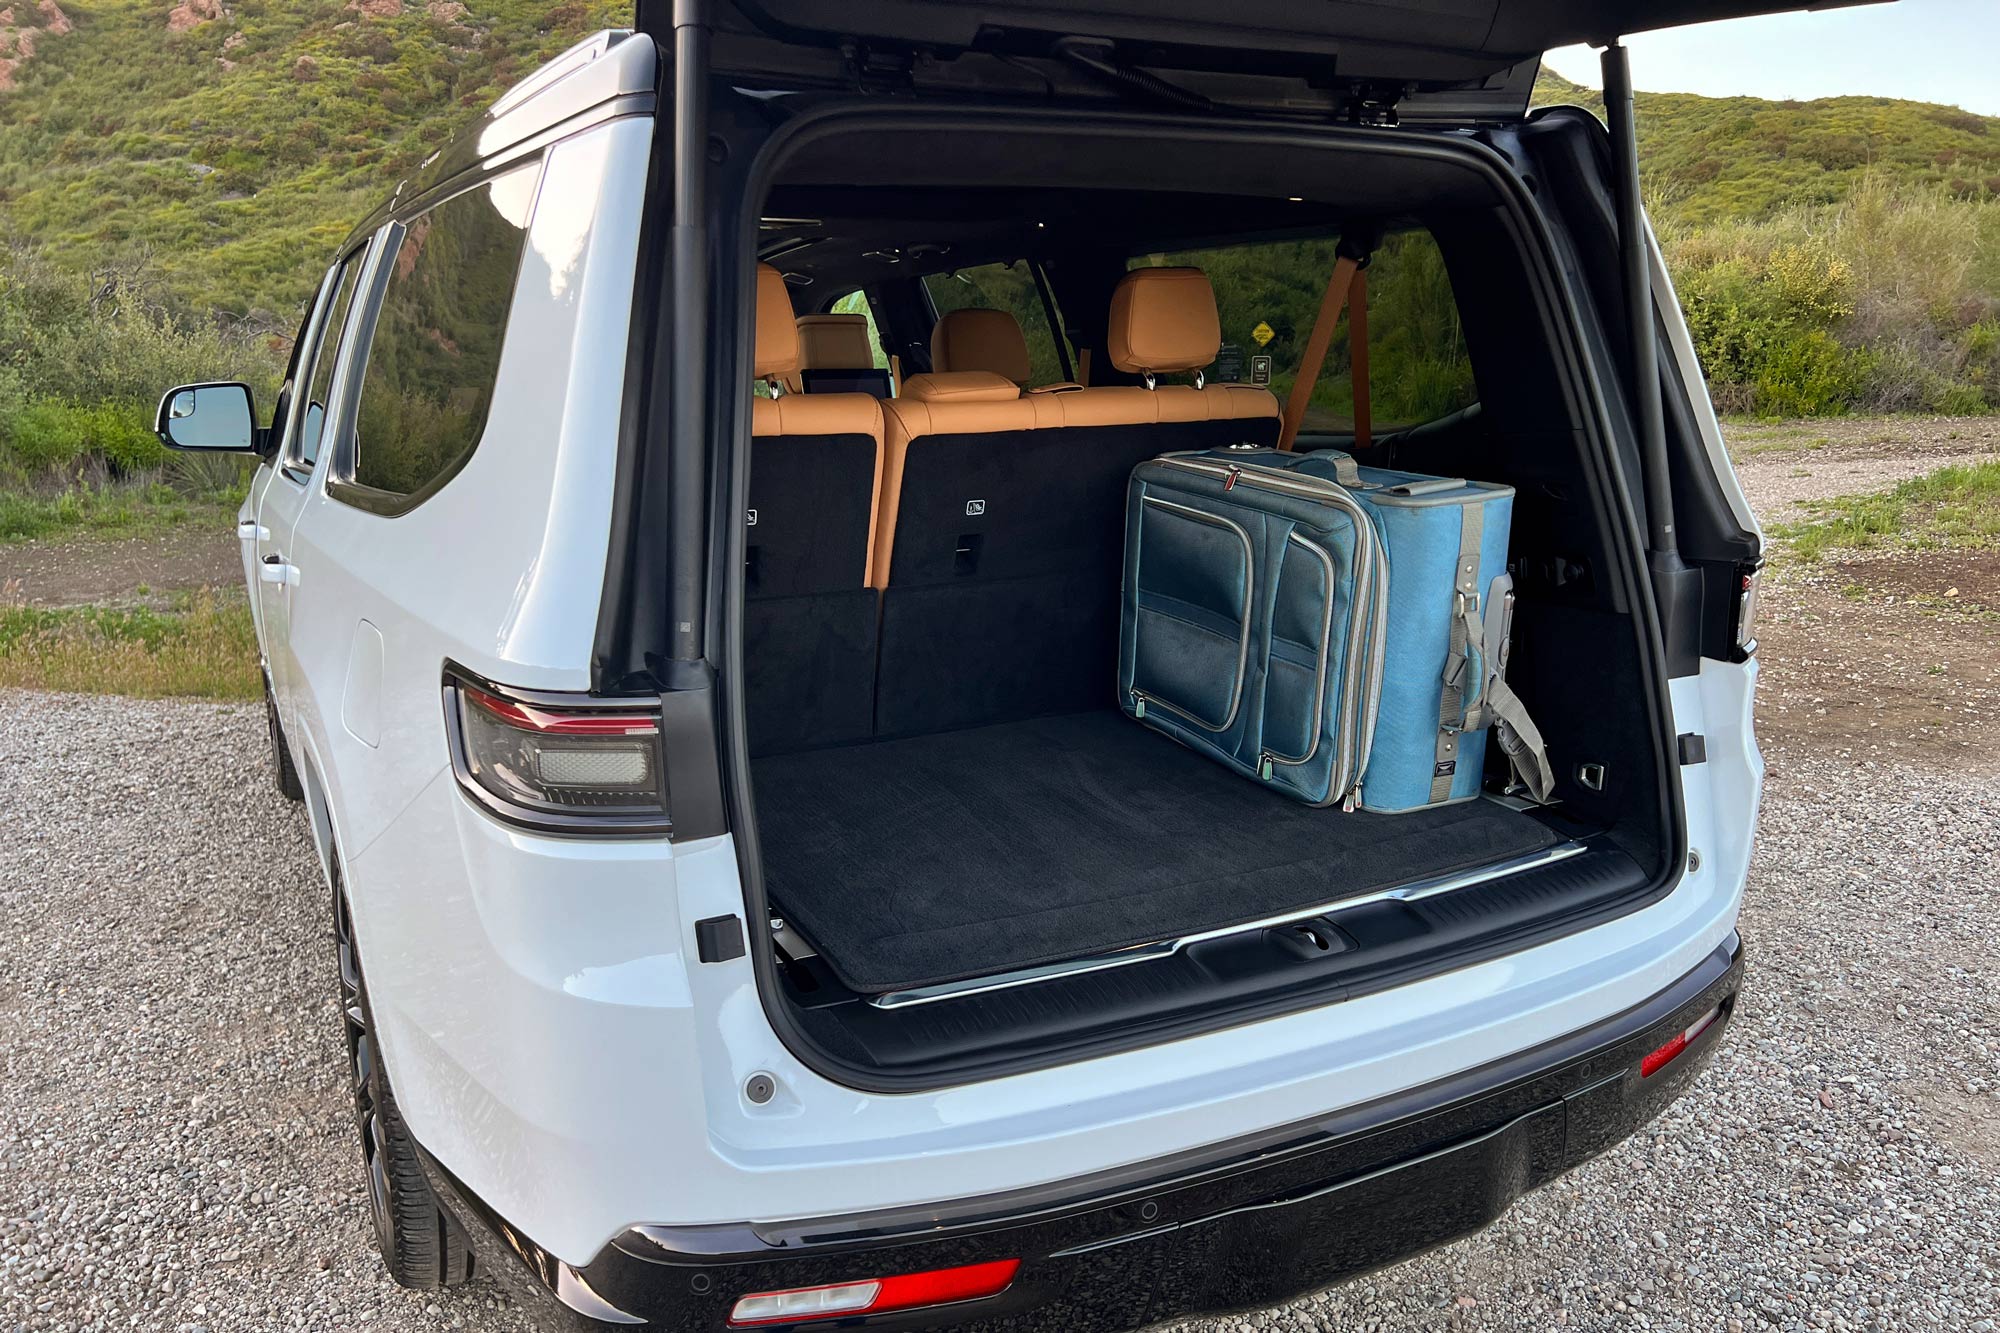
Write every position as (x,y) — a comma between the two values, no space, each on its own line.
(208,418)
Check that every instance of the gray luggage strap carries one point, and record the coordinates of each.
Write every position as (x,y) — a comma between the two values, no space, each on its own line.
(1475,693)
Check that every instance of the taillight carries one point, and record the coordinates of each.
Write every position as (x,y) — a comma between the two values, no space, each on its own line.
(939,1286)
(564,763)
(1749,580)
(1666,1055)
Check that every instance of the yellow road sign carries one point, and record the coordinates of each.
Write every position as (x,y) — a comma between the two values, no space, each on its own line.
(1263,333)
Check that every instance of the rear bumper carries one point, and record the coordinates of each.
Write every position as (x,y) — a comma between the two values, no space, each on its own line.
(1239,1225)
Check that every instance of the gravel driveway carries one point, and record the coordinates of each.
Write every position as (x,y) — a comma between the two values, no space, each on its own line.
(176,1153)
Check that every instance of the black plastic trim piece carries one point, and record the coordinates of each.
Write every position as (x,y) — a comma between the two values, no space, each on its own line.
(718,939)
(1693,748)
(1591,406)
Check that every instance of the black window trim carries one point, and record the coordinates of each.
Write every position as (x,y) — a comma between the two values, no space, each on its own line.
(287,456)
(340,483)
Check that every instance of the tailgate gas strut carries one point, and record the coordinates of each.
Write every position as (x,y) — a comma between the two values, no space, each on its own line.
(1676,588)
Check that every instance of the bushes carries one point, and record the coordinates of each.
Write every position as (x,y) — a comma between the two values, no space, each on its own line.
(83,362)
(1879,302)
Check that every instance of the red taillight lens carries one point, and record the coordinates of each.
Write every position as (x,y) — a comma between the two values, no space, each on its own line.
(939,1286)
(1663,1057)
(592,766)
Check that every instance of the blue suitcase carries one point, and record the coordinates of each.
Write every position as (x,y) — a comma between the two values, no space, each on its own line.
(1323,628)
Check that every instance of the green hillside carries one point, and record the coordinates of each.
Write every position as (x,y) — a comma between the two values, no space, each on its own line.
(227,147)
(173,175)
(1711,159)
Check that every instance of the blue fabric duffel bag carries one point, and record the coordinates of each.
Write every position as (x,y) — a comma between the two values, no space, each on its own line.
(1338,633)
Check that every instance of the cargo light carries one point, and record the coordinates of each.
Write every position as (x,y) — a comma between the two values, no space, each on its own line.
(1661,1058)
(939,1286)
(564,763)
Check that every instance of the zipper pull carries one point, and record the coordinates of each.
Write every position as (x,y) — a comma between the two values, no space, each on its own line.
(1138,705)
(1229,482)
(1264,766)
(1349,801)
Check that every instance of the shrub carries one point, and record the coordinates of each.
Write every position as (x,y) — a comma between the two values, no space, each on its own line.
(1808,376)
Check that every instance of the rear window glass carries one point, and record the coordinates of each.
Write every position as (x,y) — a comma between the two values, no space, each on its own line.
(436,350)
(1268,293)
(1009,287)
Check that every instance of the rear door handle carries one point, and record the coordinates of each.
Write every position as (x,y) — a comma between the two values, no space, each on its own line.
(250,530)
(275,570)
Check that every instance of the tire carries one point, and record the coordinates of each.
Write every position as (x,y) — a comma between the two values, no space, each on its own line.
(422,1245)
(283,771)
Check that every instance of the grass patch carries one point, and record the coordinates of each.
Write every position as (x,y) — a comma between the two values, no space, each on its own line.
(108,511)
(1953,506)
(203,647)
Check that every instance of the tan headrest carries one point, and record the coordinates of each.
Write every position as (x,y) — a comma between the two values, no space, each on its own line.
(1163,319)
(835,342)
(976,339)
(777,336)
(961,386)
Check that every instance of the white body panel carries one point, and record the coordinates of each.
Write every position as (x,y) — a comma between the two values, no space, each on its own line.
(550,1037)
(559,1050)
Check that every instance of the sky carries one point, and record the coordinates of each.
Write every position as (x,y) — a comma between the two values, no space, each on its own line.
(1926,50)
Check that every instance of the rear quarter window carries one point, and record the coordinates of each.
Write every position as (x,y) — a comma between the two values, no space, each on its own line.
(435,354)
(1418,366)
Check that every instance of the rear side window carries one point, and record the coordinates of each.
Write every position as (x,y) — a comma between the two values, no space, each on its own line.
(435,354)
(325,355)
(1009,287)
(1268,293)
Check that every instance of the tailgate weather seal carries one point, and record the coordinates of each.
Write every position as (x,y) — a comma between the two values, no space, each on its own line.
(1166,948)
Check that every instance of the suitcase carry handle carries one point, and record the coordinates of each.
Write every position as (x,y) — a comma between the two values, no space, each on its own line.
(1428,486)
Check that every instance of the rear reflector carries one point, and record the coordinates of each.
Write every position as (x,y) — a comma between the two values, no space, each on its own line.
(940,1286)
(1659,1059)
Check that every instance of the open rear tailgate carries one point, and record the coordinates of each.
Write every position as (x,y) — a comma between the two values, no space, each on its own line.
(1484,51)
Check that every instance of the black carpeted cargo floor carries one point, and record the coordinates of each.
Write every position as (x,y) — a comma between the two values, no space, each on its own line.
(969,852)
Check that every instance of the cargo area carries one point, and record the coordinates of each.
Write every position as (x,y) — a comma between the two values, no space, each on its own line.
(934,859)
(973,852)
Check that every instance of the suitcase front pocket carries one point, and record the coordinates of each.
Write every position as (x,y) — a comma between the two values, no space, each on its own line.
(1191,604)
(1301,646)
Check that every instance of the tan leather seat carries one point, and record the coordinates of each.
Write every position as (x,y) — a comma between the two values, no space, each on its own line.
(1163,321)
(778,354)
(833,342)
(1002,516)
(978,339)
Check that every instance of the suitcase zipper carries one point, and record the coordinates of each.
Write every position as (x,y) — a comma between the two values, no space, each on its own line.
(1357,736)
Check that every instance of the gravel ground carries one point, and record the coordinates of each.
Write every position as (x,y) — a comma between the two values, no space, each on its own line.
(176,1153)
(1782,464)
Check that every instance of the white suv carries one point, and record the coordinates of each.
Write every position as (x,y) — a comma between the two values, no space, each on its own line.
(692,637)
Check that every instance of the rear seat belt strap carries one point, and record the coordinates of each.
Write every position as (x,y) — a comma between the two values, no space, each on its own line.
(1357,352)
(1083,366)
(1317,342)
(1348,289)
